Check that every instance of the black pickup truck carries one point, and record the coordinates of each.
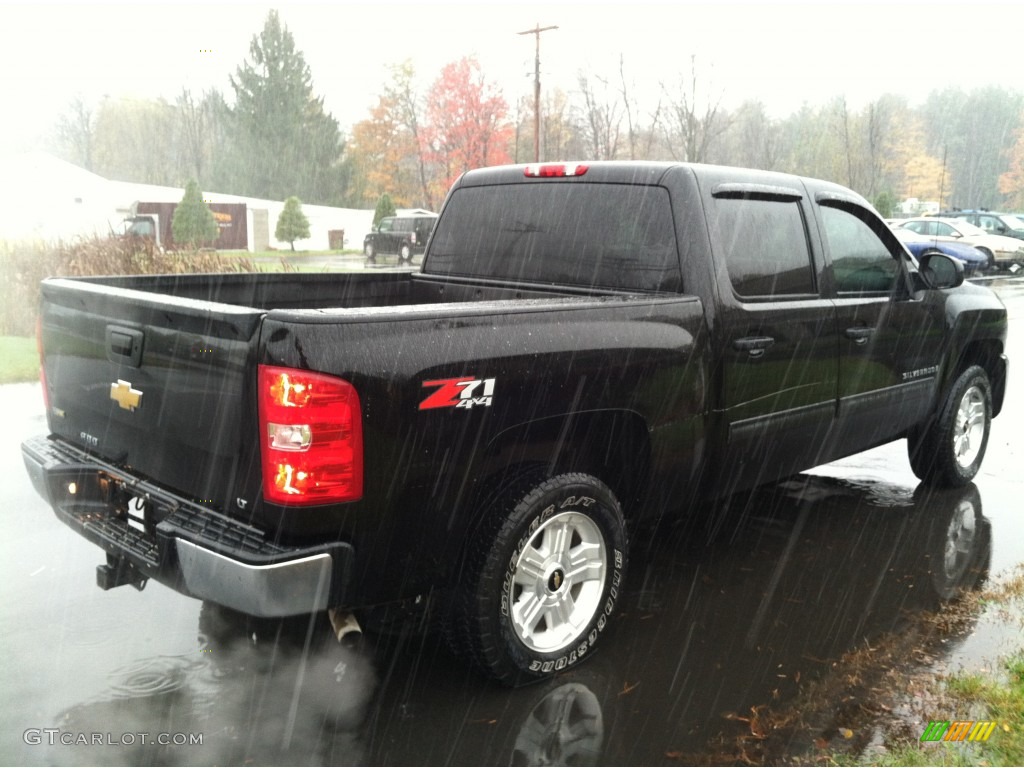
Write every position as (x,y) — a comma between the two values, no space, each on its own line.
(585,347)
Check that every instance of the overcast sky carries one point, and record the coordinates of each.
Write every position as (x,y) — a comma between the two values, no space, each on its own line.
(783,54)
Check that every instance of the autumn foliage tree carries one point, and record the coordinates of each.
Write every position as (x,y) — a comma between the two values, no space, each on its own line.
(1011,183)
(467,123)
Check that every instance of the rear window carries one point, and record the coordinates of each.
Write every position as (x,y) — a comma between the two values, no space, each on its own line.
(618,236)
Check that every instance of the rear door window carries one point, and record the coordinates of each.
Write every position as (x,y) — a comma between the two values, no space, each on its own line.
(764,244)
(615,236)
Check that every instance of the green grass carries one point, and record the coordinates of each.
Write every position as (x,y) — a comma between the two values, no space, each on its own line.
(19,360)
(988,698)
(992,696)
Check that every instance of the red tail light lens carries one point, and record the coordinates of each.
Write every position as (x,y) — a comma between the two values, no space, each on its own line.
(311,437)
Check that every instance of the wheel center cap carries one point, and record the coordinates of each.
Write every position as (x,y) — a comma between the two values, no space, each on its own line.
(556,580)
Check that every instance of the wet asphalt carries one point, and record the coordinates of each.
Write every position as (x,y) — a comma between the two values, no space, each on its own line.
(735,607)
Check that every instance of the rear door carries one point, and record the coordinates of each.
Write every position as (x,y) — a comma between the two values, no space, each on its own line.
(776,333)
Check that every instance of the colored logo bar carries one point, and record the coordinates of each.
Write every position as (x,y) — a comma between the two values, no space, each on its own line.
(958,730)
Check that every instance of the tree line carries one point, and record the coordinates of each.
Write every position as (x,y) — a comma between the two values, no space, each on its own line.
(270,136)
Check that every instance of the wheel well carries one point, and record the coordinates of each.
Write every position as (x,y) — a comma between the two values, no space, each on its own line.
(613,446)
(987,354)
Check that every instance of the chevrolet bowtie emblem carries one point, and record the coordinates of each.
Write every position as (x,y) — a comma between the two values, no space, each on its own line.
(123,394)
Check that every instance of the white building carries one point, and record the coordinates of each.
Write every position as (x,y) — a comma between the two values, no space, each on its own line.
(914,207)
(44,198)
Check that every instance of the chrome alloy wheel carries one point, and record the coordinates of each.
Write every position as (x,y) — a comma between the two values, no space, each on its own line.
(969,432)
(558,582)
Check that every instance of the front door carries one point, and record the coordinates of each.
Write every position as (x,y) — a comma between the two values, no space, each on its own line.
(889,337)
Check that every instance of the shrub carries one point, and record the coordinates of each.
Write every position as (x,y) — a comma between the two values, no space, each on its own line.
(24,265)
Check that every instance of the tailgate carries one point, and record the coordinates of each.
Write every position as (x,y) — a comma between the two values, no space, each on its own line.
(157,383)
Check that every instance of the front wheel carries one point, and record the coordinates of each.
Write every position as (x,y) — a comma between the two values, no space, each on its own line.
(369,251)
(949,451)
(542,581)
(405,253)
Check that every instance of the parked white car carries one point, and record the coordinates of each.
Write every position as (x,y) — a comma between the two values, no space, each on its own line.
(1002,251)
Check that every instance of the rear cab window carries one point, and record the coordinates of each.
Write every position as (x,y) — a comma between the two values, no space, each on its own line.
(600,235)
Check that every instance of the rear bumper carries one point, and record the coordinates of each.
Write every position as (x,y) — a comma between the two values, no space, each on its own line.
(182,544)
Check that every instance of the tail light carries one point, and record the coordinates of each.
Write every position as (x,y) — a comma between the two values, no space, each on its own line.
(554,170)
(311,437)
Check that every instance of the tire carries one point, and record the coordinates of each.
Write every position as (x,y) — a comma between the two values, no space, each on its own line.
(369,251)
(949,450)
(405,253)
(541,579)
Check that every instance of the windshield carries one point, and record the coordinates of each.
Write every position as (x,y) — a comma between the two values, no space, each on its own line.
(966,229)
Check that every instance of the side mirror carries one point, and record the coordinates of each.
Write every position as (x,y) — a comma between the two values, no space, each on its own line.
(941,271)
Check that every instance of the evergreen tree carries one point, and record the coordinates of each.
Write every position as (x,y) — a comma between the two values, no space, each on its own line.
(280,139)
(292,224)
(193,224)
(384,208)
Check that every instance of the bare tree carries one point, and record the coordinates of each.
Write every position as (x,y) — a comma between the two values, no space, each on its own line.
(629,104)
(408,109)
(602,117)
(695,119)
(196,120)
(756,140)
(561,135)
(76,133)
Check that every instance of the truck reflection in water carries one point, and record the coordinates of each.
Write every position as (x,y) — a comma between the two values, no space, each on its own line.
(742,610)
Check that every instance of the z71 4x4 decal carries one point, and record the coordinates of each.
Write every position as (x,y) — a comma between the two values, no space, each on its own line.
(458,393)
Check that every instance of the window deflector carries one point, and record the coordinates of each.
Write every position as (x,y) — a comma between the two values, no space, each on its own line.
(736,190)
(855,207)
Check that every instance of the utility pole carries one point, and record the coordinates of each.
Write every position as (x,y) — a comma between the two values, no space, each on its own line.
(536,89)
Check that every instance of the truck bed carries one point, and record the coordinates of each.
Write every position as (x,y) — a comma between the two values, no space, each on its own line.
(269,291)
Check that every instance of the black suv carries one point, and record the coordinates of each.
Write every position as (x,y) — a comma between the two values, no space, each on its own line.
(993,222)
(404,235)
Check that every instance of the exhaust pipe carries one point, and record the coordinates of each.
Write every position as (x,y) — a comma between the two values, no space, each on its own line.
(343,623)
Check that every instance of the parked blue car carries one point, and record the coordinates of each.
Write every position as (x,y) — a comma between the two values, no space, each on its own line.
(974,261)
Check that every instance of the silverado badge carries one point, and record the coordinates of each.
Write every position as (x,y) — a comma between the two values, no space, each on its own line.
(126,397)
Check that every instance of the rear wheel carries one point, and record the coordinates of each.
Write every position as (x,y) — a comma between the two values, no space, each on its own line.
(405,253)
(541,587)
(950,449)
